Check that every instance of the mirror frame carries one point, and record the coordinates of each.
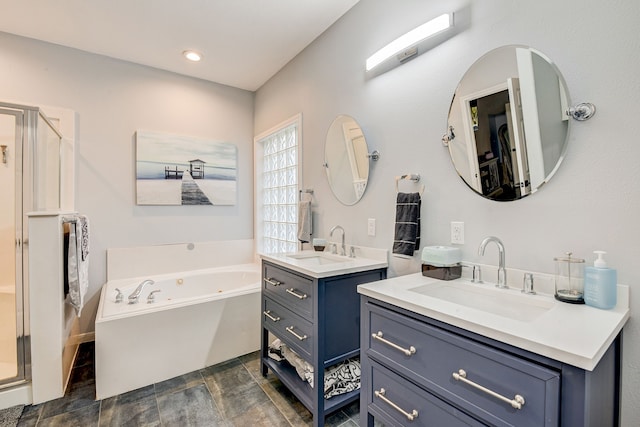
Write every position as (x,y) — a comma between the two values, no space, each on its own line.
(526,162)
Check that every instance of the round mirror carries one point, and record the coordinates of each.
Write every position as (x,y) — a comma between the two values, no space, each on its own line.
(508,123)
(346,160)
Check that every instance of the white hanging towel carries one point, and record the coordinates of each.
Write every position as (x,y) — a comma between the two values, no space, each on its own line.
(78,259)
(304,218)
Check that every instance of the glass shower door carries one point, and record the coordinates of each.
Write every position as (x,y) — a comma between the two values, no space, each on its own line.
(12,355)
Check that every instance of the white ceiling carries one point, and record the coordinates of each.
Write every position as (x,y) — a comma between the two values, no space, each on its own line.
(244,42)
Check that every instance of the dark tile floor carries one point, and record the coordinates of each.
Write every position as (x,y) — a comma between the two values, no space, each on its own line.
(232,393)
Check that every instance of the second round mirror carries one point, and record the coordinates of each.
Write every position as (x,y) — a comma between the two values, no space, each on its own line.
(345,160)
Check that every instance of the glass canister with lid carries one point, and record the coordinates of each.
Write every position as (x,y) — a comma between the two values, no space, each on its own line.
(569,279)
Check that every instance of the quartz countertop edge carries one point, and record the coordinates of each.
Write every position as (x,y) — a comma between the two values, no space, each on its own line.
(578,335)
(347,266)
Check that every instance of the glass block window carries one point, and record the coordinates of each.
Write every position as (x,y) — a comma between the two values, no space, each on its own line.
(279,191)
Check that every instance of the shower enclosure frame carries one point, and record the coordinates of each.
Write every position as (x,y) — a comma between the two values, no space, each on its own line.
(29,196)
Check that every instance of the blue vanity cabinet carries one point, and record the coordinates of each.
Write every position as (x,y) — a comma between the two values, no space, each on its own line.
(419,371)
(318,318)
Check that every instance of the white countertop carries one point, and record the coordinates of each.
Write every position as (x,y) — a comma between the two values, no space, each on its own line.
(366,259)
(574,334)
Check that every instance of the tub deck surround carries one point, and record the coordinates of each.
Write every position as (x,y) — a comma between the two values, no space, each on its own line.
(204,318)
(366,259)
(578,335)
(177,289)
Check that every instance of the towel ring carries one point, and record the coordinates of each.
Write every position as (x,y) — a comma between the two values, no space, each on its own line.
(411,177)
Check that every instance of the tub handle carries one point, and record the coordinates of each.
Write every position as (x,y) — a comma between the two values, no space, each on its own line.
(268,314)
(119,296)
(272,281)
(293,292)
(292,332)
(151,298)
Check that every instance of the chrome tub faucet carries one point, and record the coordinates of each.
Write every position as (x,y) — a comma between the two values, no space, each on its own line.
(135,295)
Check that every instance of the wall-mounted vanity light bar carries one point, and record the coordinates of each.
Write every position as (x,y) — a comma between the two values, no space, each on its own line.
(410,44)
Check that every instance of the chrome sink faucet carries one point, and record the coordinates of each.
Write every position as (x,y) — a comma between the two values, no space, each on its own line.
(502,272)
(135,295)
(344,248)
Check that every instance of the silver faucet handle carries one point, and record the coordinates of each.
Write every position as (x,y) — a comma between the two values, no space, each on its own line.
(476,274)
(333,248)
(119,296)
(527,284)
(151,297)
(352,252)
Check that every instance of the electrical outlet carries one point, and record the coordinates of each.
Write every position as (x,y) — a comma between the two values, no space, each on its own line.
(457,232)
(371,227)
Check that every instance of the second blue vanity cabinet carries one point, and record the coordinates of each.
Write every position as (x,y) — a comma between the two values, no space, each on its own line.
(318,318)
(419,371)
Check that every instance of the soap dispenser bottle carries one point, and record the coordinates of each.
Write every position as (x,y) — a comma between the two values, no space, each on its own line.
(600,284)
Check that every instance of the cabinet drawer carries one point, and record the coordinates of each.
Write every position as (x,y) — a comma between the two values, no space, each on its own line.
(291,290)
(292,329)
(430,356)
(403,403)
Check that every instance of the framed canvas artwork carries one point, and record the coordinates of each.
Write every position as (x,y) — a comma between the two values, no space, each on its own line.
(182,170)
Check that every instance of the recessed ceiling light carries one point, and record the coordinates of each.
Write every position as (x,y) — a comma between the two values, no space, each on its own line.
(192,55)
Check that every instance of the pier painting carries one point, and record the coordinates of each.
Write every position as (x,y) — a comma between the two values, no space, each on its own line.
(181,170)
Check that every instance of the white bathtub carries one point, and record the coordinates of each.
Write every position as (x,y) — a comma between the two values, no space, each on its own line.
(199,318)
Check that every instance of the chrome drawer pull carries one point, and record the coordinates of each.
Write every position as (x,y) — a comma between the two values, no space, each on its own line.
(268,314)
(410,416)
(295,294)
(407,352)
(272,281)
(292,332)
(517,402)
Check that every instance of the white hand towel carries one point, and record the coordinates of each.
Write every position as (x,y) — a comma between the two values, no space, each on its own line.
(304,218)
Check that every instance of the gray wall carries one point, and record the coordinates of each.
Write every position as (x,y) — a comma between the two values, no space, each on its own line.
(591,203)
(112,100)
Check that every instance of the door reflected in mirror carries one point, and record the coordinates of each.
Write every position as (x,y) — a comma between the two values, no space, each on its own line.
(345,160)
(510,123)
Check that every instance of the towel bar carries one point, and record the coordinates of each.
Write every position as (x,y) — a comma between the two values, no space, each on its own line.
(409,177)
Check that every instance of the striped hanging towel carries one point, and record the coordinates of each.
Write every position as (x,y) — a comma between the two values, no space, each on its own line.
(407,227)
(78,262)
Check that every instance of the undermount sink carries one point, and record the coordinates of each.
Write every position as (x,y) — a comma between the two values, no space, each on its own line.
(318,258)
(501,302)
